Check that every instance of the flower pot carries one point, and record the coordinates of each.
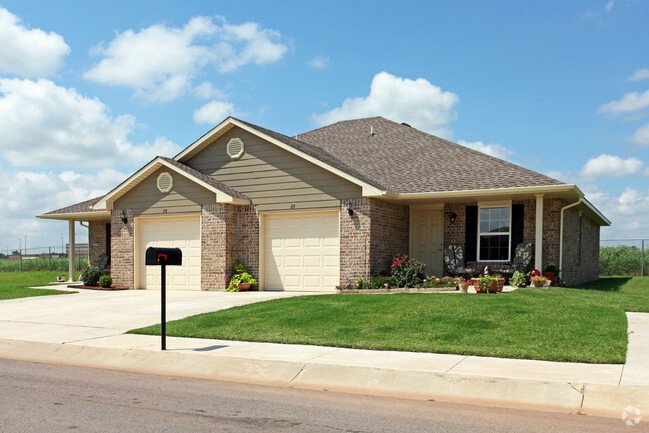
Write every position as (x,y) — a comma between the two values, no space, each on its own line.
(496,285)
(538,283)
(243,286)
(550,276)
(463,287)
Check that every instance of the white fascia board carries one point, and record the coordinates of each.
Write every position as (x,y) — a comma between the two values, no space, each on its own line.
(107,201)
(600,215)
(367,189)
(489,192)
(77,216)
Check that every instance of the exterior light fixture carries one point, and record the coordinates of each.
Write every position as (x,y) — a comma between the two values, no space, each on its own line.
(350,210)
(453,217)
(124,217)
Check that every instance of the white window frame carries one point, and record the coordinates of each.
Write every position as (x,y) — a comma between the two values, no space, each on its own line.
(509,233)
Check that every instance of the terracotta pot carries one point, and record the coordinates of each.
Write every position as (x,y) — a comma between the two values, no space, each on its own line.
(495,287)
(550,276)
(243,286)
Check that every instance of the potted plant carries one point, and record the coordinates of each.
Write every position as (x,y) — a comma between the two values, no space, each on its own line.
(241,280)
(463,284)
(550,272)
(489,284)
(539,280)
(518,279)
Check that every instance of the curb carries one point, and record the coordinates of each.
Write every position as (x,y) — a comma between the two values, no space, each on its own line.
(550,396)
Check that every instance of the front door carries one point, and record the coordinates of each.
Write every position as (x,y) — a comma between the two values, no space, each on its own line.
(428,240)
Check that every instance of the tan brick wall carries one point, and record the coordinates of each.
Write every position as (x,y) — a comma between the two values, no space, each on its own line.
(580,249)
(96,240)
(228,234)
(122,250)
(376,232)
(551,230)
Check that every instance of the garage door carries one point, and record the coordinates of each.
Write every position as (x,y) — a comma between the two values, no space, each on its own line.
(183,233)
(301,252)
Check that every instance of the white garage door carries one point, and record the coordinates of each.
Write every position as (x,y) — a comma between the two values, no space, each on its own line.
(301,251)
(183,233)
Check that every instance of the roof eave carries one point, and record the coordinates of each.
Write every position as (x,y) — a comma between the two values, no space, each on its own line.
(77,216)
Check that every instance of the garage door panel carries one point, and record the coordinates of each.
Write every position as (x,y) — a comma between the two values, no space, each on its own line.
(183,233)
(302,252)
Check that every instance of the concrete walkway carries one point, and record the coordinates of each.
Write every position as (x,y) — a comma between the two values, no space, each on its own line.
(87,329)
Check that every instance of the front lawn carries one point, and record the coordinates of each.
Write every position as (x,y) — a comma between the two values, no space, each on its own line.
(559,324)
(16,284)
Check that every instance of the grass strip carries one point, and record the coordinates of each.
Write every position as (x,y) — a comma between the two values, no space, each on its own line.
(17,284)
(587,324)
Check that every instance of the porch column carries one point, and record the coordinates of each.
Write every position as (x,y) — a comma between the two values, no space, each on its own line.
(71,254)
(538,241)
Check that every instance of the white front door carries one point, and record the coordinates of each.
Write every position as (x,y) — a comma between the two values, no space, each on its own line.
(428,240)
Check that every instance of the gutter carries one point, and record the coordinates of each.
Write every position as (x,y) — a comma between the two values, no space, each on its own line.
(561,235)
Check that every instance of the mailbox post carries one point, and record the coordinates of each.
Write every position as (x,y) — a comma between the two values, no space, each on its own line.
(163,257)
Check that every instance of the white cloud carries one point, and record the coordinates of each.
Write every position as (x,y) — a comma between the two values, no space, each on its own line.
(416,102)
(609,6)
(630,102)
(44,125)
(28,52)
(641,136)
(160,63)
(639,74)
(206,90)
(214,112)
(319,62)
(627,212)
(26,194)
(259,46)
(611,166)
(493,149)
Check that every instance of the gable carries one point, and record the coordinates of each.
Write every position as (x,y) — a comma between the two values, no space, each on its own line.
(185,197)
(271,177)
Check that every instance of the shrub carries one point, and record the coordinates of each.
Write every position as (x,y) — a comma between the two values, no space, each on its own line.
(105,281)
(407,272)
(90,276)
(381,282)
(518,279)
(620,260)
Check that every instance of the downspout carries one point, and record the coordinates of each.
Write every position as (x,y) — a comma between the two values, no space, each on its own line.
(561,235)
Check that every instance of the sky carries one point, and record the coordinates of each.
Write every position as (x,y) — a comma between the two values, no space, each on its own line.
(92,91)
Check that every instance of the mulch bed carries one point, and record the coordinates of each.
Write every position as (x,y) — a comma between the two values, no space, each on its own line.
(81,286)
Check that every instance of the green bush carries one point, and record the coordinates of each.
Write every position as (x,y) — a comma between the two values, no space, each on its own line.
(90,276)
(407,272)
(105,281)
(620,260)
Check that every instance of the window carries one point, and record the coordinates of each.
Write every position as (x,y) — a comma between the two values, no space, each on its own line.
(494,234)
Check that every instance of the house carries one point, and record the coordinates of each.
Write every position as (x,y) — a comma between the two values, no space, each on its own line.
(331,205)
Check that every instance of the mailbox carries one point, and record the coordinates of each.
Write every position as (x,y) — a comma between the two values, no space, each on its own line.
(164,256)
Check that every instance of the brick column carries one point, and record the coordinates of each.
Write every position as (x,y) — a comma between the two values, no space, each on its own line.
(122,249)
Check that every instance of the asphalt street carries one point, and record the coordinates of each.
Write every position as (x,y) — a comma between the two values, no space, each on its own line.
(57,398)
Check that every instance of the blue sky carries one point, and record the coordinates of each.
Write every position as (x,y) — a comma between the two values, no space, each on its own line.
(91,91)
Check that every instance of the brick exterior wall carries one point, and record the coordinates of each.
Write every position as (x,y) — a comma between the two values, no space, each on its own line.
(96,240)
(580,249)
(122,249)
(454,233)
(376,232)
(228,234)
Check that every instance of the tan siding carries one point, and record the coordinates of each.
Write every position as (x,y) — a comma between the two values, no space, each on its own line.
(186,197)
(271,177)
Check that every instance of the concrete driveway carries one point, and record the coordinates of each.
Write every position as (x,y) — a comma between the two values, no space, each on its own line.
(92,314)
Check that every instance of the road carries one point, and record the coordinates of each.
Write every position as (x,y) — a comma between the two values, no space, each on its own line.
(55,398)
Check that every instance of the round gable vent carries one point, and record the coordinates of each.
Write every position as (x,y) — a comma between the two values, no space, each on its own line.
(165,182)
(235,148)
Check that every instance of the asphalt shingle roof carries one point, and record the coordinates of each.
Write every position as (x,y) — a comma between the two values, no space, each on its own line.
(83,207)
(406,160)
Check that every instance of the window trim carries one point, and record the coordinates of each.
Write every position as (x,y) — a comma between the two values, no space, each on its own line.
(509,233)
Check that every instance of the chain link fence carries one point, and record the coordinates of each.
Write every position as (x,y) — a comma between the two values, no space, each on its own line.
(623,257)
(42,259)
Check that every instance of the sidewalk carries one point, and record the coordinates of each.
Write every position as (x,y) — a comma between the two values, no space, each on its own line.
(593,389)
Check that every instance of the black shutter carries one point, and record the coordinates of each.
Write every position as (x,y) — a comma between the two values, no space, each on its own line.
(108,241)
(518,221)
(471,234)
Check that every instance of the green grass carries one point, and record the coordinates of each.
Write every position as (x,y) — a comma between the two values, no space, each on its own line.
(16,284)
(586,324)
